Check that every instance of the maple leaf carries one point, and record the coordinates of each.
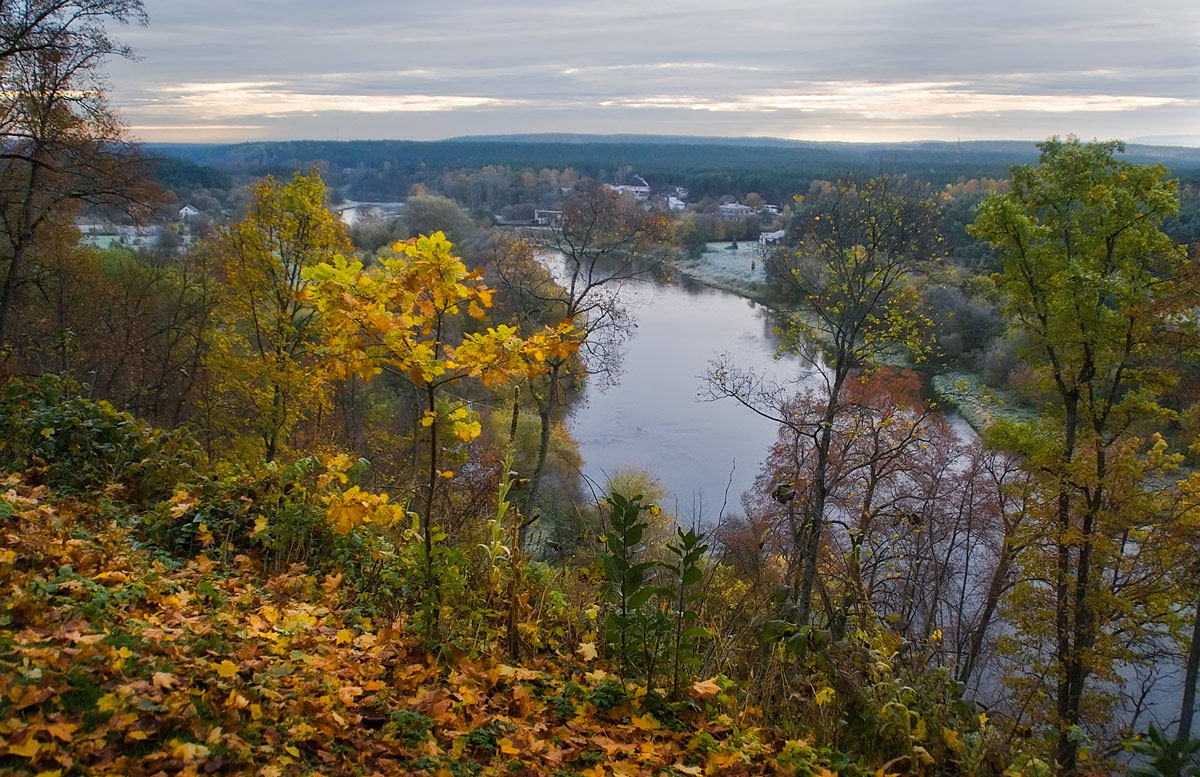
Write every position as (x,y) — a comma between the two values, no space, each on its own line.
(28,749)
(587,650)
(645,722)
(164,680)
(703,688)
(61,731)
(227,669)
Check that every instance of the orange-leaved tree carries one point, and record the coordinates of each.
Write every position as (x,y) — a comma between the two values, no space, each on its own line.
(403,317)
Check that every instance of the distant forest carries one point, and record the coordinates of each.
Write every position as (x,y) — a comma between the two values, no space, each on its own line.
(776,169)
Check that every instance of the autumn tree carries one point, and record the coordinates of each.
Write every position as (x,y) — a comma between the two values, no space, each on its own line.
(406,318)
(859,241)
(264,364)
(601,243)
(60,146)
(1097,291)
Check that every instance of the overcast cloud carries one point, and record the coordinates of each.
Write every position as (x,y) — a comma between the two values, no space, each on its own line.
(845,70)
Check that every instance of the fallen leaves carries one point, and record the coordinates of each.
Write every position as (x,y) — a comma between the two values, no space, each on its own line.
(211,667)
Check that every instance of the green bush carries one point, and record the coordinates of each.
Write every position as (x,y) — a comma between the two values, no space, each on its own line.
(54,435)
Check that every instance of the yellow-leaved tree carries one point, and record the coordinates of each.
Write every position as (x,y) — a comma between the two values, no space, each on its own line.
(402,317)
(264,357)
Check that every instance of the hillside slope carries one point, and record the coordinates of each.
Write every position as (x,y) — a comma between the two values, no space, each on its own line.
(117,659)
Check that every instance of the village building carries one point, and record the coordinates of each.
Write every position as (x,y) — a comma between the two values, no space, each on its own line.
(732,211)
(547,218)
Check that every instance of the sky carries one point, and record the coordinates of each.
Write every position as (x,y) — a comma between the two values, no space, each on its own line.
(842,70)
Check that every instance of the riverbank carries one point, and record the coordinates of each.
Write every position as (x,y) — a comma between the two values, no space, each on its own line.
(739,271)
(742,272)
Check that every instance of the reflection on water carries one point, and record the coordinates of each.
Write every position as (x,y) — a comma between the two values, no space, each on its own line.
(653,418)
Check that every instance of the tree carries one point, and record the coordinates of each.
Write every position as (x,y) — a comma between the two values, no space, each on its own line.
(265,363)
(1096,290)
(859,241)
(600,241)
(60,147)
(400,318)
(426,214)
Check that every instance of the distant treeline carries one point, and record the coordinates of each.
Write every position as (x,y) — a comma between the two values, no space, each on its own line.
(774,169)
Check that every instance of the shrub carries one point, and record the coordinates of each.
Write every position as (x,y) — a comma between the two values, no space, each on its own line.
(54,435)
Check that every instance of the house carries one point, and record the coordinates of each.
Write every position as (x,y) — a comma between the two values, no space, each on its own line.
(674,203)
(774,210)
(187,212)
(732,211)
(547,218)
(639,191)
(771,238)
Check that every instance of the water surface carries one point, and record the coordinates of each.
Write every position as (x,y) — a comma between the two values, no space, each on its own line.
(653,419)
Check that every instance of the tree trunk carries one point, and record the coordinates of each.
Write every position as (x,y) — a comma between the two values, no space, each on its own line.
(816,512)
(1067,750)
(546,408)
(432,594)
(1191,676)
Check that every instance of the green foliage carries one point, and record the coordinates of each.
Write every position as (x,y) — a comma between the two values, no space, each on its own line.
(686,574)
(628,588)
(652,623)
(413,727)
(73,443)
(1163,756)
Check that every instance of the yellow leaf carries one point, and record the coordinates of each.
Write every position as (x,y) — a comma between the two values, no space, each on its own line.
(61,731)
(164,680)
(189,751)
(587,650)
(645,722)
(706,688)
(824,696)
(694,771)
(344,637)
(227,669)
(27,750)
(293,750)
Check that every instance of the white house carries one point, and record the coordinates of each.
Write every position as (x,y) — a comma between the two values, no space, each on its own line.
(733,211)
(674,203)
(640,191)
(771,238)
(187,211)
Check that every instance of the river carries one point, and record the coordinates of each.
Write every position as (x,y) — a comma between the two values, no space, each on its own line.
(653,418)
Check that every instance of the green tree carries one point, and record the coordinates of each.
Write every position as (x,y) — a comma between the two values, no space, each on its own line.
(1095,289)
(429,213)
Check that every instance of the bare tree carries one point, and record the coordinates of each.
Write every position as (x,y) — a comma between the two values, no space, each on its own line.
(602,241)
(860,239)
(60,146)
